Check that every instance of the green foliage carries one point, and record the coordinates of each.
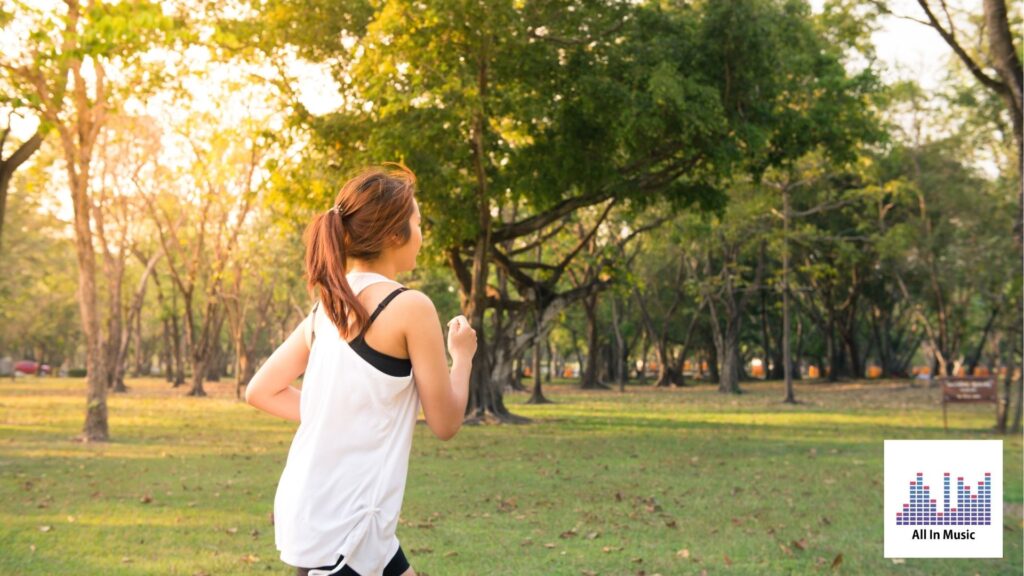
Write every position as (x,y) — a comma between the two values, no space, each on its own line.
(581,102)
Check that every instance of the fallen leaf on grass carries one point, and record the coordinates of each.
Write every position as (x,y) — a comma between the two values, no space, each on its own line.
(898,561)
(450,553)
(250,558)
(837,561)
(728,561)
(125,560)
(549,545)
(146,499)
(592,535)
(801,543)
(786,549)
(45,528)
(684,553)
(423,550)
(588,573)
(568,533)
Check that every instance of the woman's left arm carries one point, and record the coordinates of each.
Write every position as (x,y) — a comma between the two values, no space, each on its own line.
(270,389)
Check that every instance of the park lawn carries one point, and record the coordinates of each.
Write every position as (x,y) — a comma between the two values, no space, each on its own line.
(647,482)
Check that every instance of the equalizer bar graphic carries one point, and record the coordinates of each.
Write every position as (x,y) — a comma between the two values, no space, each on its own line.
(970,509)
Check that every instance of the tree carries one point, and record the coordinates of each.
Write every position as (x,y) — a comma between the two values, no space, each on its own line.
(65,75)
(200,225)
(523,104)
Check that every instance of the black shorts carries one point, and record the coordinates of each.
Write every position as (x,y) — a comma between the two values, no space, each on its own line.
(396,567)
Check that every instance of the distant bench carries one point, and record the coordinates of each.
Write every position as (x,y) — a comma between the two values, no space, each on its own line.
(968,389)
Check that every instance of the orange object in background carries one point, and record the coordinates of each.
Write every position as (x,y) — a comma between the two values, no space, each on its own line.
(813,372)
(757,370)
(982,371)
(874,371)
(527,372)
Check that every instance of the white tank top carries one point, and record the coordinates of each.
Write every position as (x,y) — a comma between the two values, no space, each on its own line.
(343,483)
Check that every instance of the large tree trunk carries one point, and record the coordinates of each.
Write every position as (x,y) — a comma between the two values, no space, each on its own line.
(140,357)
(726,328)
(115,274)
(620,363)
(485,396)
(1007,63)
(178,351)
(552,361)
(241,362)
(645,351)
(166,356)
(667,375)
(537,396)
(96,427)
(590,380)
(714,374)
(729,352)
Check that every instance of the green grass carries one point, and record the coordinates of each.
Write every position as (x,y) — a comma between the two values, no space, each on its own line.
(601,482)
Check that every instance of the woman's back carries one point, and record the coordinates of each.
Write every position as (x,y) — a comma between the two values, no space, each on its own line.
(342,487)
(343,484)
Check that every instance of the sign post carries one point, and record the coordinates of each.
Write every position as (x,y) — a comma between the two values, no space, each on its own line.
(968,389)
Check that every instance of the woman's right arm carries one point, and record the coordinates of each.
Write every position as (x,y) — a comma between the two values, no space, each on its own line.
(443,393)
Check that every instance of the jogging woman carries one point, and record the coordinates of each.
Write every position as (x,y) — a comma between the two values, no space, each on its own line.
(372,352)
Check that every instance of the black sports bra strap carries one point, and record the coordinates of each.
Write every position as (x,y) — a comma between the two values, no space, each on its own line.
(383,303)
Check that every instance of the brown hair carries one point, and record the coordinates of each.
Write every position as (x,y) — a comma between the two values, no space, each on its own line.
(369,210)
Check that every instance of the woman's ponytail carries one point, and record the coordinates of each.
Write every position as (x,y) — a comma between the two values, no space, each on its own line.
(326,268)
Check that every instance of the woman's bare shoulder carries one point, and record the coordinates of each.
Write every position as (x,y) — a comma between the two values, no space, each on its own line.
(415,303)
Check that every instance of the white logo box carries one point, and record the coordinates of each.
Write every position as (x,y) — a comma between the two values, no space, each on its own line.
(931,515)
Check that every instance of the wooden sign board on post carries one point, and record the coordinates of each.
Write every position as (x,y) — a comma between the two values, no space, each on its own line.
(968,389)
